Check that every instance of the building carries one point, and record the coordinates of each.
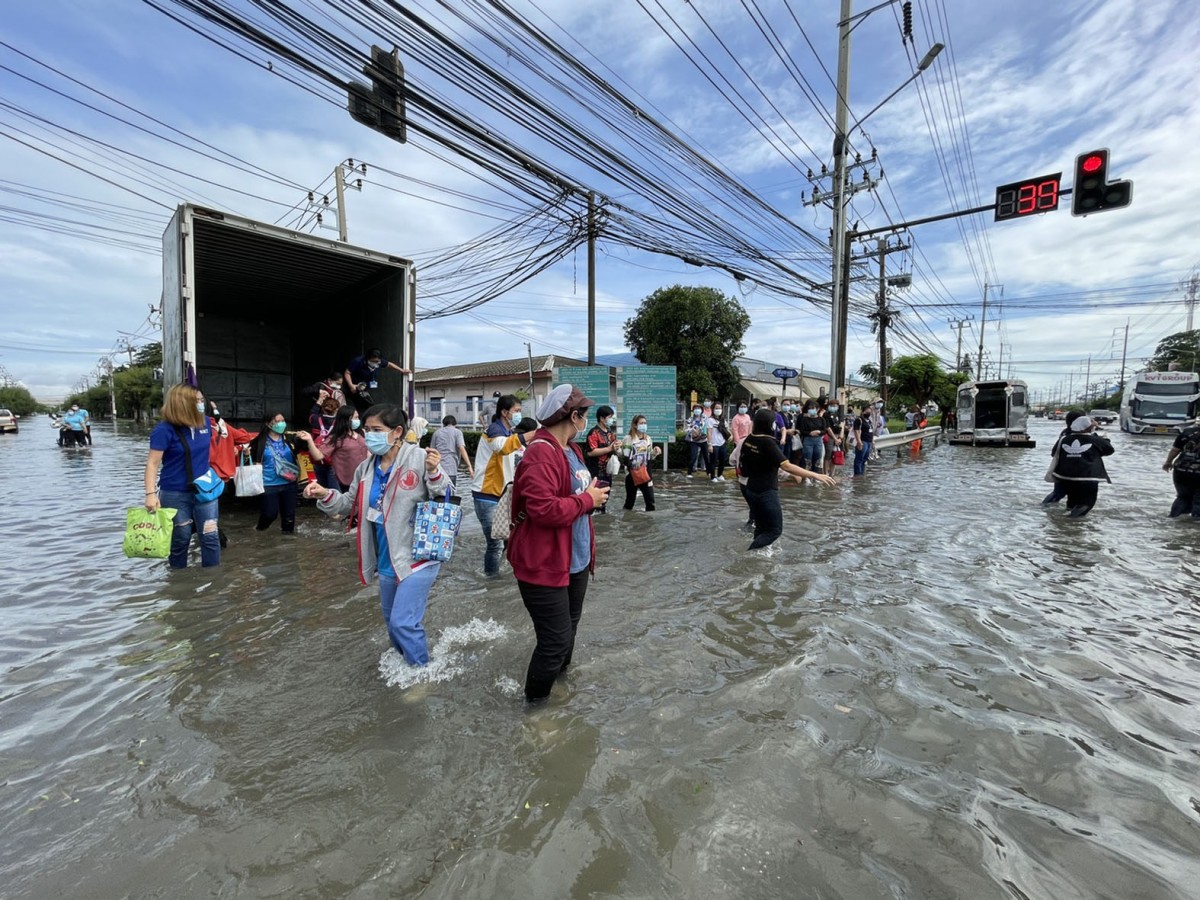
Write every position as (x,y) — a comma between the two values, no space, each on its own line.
(755,380)
(468,392)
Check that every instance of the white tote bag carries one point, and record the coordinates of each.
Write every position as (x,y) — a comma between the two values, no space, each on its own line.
(248,480)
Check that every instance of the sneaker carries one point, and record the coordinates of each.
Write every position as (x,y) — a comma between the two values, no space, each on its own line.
(689,474)
(720,478)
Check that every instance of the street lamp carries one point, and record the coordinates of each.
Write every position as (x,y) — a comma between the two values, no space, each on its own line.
(840,300)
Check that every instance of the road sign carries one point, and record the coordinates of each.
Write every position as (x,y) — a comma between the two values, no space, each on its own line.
(647,391)
(1028,197)
(594,381)
(784,373)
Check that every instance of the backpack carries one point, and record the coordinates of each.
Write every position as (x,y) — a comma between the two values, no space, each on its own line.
(1188,460)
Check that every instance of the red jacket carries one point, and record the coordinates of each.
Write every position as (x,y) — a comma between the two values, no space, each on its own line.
(222,454)
(540,546)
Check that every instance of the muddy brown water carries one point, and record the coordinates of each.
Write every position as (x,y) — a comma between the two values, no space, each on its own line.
(930,687)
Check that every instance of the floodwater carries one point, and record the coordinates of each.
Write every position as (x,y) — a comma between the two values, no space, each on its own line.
(930,687)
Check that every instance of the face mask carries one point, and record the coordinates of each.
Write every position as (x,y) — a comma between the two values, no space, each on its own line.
(516,419)
(717,411)
(379,442)
(695,412)
(812,410)
(355,424)
(199,407)
(279,427)
(373,365)
(833,409)
(641,427)
(742,410)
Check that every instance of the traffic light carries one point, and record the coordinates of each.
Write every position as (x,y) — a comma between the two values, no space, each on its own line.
(380,106)
(1092,191)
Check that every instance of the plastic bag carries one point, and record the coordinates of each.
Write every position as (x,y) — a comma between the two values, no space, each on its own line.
(613,466)
(148,534)
(435,525)
(248,480)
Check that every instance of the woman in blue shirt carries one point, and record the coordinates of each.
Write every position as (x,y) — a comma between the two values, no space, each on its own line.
(184,428)
(276,451)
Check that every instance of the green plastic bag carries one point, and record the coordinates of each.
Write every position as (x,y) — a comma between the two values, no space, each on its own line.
(148,534)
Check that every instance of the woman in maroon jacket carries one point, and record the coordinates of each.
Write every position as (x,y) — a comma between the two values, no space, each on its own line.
(552,546)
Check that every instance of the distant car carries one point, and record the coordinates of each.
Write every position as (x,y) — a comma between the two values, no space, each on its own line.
(1103,416)
(8,422)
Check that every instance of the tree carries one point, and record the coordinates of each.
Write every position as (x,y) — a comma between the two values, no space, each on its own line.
(95,400)
(917,377)
(16,397)
(698,330)
(1181,348)
(149,356)
(945,394)
(137,392)
(870,373)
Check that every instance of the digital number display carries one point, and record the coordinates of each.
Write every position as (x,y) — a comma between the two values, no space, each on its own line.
(1028,197)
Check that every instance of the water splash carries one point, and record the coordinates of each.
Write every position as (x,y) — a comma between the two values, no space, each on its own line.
(445,662)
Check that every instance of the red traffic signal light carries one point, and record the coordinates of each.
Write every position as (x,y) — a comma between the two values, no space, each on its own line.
(1092,192)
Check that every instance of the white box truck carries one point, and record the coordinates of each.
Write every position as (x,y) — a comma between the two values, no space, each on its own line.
(255,313)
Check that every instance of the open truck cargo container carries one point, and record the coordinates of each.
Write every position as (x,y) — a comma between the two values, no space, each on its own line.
(254,313)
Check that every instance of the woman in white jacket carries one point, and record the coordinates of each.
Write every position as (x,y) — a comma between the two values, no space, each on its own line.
(383,496)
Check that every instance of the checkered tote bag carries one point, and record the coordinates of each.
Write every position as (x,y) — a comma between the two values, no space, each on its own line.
(435,524)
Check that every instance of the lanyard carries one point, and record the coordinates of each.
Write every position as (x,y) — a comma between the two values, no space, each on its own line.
(382,480)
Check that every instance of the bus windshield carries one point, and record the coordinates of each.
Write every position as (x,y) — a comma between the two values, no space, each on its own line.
(1161,409)
(1161,389)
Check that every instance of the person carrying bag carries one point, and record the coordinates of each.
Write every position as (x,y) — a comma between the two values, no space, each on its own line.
(435,525)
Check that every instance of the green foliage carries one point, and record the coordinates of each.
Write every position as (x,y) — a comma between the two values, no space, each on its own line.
(137,391)
(698,330)
(917,377)
(18,399)
(1182,348)
(945,394)
(95,400)
(149,356)
(870,372)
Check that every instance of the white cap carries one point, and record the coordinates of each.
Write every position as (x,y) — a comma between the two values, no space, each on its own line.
(1083,423)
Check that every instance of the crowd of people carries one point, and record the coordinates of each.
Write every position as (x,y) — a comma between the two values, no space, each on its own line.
(546,475)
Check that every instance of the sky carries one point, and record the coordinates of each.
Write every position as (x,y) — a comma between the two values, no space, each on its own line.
(1022,88)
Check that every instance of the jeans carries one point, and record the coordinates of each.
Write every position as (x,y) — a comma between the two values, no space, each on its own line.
(279,501)
(403,606)
(699,451)
(555,612)
(767,515)
(1187,494)
(188,510)
(716,464)
(861,453)
(485,510)
(814,451)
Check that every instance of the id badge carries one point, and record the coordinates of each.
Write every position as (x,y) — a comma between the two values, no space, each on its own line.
(374,515)
(372,384)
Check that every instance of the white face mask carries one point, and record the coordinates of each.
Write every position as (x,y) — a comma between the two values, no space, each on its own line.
(717,411)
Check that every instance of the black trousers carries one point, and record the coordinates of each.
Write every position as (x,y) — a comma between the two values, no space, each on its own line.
(1082,493)
(279,502)
(631,490)
(1187,494)
(767,515)
(555,612)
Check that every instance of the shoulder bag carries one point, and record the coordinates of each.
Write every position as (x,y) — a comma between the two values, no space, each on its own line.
(503,523)
(207,487)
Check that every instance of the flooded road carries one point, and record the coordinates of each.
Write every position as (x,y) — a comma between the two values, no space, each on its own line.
(929,687)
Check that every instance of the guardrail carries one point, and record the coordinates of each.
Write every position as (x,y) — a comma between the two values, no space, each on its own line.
(901,439)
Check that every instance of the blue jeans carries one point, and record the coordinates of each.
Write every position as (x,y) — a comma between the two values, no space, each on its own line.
(403,607)
(814,451)
(860,457)
(484,511)
(188,510)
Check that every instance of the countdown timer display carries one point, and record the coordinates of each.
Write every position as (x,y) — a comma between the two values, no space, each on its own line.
(1028,197)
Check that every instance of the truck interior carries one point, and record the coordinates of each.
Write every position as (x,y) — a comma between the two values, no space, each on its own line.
(274,316)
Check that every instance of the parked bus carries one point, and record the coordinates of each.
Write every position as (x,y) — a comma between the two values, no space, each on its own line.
(1160,402)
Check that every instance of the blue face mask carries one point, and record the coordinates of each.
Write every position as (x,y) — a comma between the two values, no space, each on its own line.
(355,424)
(199,407)
(516,419)
(641,427)
(378,442)
(695,412)
(742,410)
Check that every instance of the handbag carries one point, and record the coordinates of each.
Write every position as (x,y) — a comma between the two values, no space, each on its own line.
(502,523)
(640,475)
(207,487)
(148,534)
(613,466)
(248,479)
(435,525)
(839,457)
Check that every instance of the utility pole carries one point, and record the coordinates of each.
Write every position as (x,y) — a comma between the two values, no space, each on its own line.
(837,359)
(1124,351)
(883,313)
(340,182)
(1193,287)
(982,323)
(958,357)
(591,267)
(1087,382)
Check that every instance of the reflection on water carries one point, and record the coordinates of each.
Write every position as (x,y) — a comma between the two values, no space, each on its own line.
(930,687)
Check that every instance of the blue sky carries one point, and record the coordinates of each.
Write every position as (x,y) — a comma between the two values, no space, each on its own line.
(1038,82)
